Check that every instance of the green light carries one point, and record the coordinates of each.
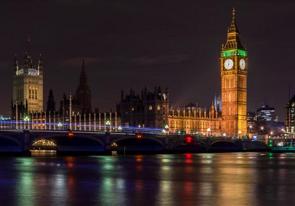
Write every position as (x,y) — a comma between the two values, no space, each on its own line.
(234,52)
(270,143)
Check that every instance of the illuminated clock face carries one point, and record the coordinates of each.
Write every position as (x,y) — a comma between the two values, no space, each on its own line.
(242,64)
(228,64)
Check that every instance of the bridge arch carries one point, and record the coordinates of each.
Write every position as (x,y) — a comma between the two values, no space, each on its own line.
(9,140)
(224,145)
(144,139)
(43,143)
(138,145)
(62,139)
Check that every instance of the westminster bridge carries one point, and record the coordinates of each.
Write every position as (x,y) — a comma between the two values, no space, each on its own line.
(67,141)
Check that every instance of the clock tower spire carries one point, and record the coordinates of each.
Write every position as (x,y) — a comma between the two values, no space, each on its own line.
(234,69)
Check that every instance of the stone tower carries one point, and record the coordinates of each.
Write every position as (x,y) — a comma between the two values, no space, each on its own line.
(82,99)
(234,69)
(28,84)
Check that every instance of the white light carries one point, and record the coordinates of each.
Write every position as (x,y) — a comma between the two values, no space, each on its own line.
(224,134)
(166,126)
(26,118)
(120,128)
(59,124)
(262,128)
(240,132)
(209,129)
(108,123)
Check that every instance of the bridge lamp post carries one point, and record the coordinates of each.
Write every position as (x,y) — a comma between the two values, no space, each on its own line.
(239,132)
(250,128)
(208,131)
(26,120)
(271,134)
(107,125)
(59,125)
(166,128)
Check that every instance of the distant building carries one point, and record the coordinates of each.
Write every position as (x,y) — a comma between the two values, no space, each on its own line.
(27,92)
(149,109)
(82,98)
(290,119)
(81,101)
(264,121)
(266,114)
(50,103)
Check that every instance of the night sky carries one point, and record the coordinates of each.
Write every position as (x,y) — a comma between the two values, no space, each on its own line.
(134,43)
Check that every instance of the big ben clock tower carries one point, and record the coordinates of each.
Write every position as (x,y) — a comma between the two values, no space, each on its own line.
(234,68)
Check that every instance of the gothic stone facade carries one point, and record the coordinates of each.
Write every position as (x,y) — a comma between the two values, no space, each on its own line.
(28,85)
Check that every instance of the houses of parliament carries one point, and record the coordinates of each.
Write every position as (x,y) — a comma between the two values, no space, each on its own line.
(226,115)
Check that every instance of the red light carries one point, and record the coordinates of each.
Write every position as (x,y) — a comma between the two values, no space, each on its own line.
(139,136)
(188,139)
(71,134)
(188,156)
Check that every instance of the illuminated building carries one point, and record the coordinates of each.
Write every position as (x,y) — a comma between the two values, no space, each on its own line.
(230,116)
(234,69)
(290,120)
(226,117)
(27,93)
(194,119)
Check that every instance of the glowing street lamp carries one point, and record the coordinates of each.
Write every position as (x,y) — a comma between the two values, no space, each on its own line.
(59,124)
(108,123)
(166,129)
(166,126)
(208,131)
(26,118)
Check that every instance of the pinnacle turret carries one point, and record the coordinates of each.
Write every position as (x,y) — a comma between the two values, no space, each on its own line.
(233,39)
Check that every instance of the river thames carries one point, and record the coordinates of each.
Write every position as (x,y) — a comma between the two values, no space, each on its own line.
(184,179)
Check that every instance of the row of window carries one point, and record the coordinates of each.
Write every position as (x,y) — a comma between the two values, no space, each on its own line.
(192,124)
(33,94)
(231,82)
(150,108)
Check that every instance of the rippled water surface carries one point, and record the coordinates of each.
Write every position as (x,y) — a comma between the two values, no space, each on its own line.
(187,179)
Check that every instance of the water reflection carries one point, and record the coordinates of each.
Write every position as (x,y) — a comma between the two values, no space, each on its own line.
(185,179)
(25,191)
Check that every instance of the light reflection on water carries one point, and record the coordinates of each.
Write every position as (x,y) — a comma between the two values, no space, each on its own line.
(184,179)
